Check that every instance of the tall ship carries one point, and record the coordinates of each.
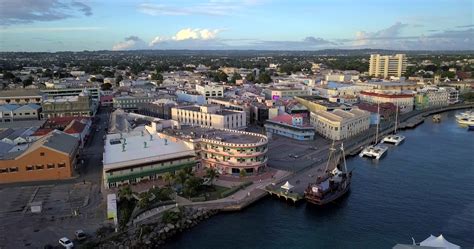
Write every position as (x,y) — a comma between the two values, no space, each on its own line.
(335,182)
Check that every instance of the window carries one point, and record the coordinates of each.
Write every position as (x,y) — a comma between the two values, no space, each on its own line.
(2,170)
(39,166)
(13,169)
(50,165)
(61,165)
(29,168)
(41,153)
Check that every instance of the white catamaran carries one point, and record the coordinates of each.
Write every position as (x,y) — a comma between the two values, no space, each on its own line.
(394,138)
(375,151)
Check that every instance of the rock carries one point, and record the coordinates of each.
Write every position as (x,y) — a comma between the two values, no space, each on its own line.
(170,226)
(167,229)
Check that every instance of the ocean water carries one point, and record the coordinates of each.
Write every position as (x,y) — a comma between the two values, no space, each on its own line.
(423,186)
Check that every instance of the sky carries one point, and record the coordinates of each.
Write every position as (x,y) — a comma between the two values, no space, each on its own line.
(77,25)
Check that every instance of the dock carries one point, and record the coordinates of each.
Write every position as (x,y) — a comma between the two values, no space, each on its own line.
(283,194)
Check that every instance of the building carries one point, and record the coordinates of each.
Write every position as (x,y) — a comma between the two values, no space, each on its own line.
(21,97)
(210,90)
(284,93)
(65,91)
(209,116)
(73,106)
(143,155)
(315,103)
(387,86)
(339,124)
(230,152)
(404,101)
(453,95)
(158,109)
(384,66)
(12,112)
(430,98)
(132,102)
(52,157)
(291,126)
(235,105)
(384,111)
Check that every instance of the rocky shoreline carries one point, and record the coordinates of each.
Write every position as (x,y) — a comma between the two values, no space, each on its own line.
(154,235)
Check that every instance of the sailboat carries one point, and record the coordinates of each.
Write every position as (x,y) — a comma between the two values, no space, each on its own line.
(394,138)
(375,151)
(333,185)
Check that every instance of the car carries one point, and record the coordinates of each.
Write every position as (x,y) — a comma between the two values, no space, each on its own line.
(66,243)
(80,235)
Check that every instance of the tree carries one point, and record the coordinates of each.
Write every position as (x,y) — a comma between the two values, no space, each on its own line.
(169,177)
(107,74)
(118,79)
(93,79)
(250,77)
(181,177)
(235,77)
(157,76)
(106,86)
(144,201)
(8,75)
(125,193)
(28,81)
(243,173)
(191,186)
(211,173)
(264,78)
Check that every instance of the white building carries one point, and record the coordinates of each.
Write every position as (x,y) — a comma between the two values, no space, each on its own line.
(385,66)
(209,116)
(453,95)
(431,97)
(210,90)
(339,124)
(285,93)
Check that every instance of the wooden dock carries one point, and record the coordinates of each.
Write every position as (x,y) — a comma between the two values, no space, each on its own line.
(283,194)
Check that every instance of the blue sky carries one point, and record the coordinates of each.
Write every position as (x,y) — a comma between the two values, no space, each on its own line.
(60,25)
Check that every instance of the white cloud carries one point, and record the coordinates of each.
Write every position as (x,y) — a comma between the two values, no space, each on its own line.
(130,43)
(48,29)
(156,41)
(195,34)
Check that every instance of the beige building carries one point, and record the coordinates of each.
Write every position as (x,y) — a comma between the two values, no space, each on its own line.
(339,124)
(21,97)
(209,116)
(285,93)
(210,90)
(74,106)
(385,66)
(404,101)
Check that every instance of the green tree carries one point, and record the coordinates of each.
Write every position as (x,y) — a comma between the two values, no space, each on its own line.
(28,81)
(211,173)
(8,75)
(125,193)
(191,186)
(93,79)
(169,178)
(144,201)
(182,176)
(157,76)
(264,78)
(243,173)
(108,74)
(235,77)
(250,77)
(118,79)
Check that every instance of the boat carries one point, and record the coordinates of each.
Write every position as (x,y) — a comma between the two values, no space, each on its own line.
(375,151)
(462,115)
(333,185)
(465,118)
(470,128)
(394,138)
(436,118)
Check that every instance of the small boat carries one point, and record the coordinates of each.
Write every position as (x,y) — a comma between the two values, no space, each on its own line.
(394,138)
(374,151)
(333,185)
(465,118)
(436,118)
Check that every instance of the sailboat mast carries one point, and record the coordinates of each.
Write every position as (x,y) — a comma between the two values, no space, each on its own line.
(331,150)
(396,119)
(343,158)
(378,122)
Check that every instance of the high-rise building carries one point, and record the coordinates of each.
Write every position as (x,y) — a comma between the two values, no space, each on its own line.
(387,65)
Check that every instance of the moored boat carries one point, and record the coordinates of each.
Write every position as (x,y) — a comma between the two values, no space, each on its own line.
(333,185)
(436,118)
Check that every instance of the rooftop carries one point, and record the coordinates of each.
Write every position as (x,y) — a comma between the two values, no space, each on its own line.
(141,147)
(384,95)
(228,136)
(20,93)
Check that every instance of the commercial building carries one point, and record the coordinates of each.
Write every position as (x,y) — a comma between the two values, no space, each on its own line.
(453,95)
(158,109)
(385,66)
(315,103)
(431,97)
(21,97)
(74,106)
(387,86)
(52,157)
(143,155)
(210,90)
(285,93)
(405,102)
(66,91)
(132,102)
(235,105)
(12,112)
(292,126)
(230,152)
(209,116)
(339,124)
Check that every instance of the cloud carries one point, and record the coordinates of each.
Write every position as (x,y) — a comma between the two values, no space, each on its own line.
(374,38)
(186,34)
(28,11)
(130,43)
(465,26)
(308,43)
(49,29)
(212,7)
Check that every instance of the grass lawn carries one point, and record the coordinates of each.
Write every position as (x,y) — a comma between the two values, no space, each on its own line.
(212,192)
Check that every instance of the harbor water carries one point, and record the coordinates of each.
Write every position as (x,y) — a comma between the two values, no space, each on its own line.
(421,187)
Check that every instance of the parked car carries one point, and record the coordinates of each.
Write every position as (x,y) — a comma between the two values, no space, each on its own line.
(66,243)
(80,235)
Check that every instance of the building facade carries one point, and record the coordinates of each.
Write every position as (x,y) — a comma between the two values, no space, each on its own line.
(210,90)
(405,102)
(209,116)
(339,124)
(291,126)
(72,106)
(385,66)
(20,97)
(52,157)
(285,93)
(430,98)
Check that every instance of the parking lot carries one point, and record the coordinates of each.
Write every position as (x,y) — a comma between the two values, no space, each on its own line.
(292,155)
(65,209)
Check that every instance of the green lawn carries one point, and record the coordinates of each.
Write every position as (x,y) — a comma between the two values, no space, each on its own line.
(211,192)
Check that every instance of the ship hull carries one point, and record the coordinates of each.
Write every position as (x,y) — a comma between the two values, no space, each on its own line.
(329,198)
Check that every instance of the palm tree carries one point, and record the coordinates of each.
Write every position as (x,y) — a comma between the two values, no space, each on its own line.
(169,177)
(182,176)
(125,192)
(211,173)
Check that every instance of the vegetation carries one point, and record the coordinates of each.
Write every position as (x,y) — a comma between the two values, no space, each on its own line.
(171,217)
(106,86)
(264,78)
(235,189)
(169,178)
(468,97)
(191,186)
(235,77)
(211,173)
